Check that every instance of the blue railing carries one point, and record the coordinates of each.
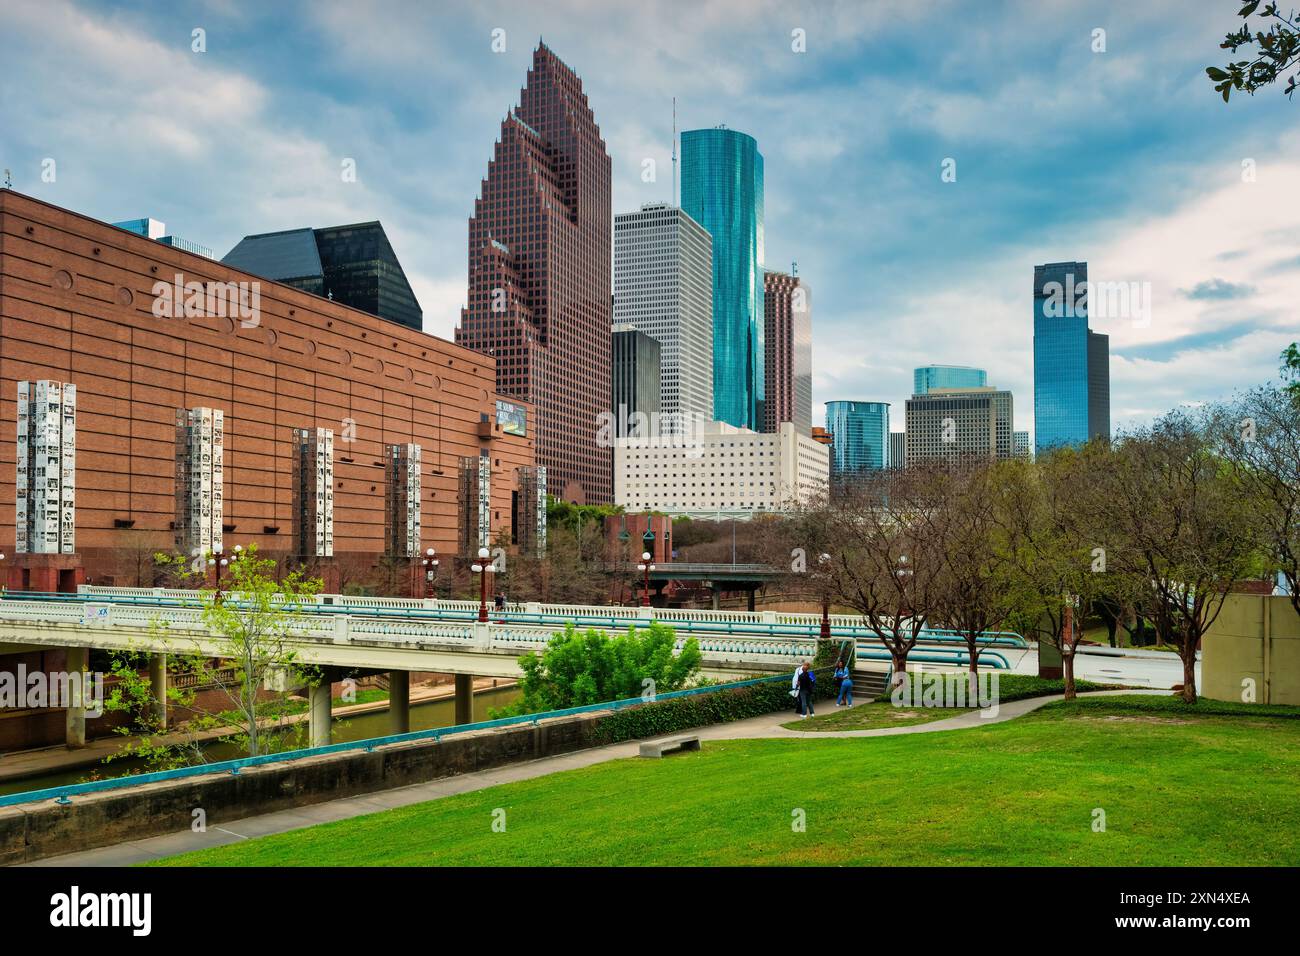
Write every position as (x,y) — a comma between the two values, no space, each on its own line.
(731,628)
(64,793)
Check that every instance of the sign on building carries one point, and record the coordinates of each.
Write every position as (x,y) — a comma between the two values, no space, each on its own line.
(530,528)
(313,485)
(45,502)
(475,503)
(200,458)
(402,500)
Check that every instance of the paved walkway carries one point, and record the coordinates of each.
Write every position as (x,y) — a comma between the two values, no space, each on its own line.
(767,726)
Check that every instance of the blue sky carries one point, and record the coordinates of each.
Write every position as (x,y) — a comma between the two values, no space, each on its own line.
(1124,158)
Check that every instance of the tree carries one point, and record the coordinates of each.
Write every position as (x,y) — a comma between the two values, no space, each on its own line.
(1183,532)
(1278,52)
(1059,567)
(884,538)
(590,667)
(976,588)
(1260,435)
(255,664)
(1291,370)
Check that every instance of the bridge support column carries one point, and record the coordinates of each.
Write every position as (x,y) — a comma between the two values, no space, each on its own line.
(158,687)
(76,710)
(752,592)
(717,598)
(321,698)
(464,698)
(399,702)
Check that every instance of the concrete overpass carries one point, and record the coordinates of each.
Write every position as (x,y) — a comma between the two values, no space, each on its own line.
(399,635)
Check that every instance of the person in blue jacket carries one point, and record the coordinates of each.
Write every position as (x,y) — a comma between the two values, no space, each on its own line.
(845,679)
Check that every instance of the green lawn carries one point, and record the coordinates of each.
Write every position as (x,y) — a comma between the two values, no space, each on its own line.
(872,716)
(1176,788)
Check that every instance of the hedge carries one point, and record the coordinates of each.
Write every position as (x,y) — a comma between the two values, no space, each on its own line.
(723,706)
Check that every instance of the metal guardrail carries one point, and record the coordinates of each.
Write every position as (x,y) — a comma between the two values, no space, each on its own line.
(64,793)
(588,616)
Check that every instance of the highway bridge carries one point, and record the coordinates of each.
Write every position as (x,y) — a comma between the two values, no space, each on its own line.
(347,633)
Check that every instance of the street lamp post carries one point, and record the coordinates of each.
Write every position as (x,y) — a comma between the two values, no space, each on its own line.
(3,582)
(481,569)
(825,560)
(430,564)
(646,567)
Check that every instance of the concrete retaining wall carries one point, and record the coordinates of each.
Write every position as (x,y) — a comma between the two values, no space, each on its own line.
(1255,639)
(32,831)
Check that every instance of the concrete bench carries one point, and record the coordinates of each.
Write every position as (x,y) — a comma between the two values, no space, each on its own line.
(657,748)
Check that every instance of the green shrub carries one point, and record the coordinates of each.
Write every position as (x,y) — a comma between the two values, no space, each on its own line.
(698,710)
(590,667)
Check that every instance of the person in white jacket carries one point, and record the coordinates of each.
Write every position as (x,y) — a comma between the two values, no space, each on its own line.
(794,688)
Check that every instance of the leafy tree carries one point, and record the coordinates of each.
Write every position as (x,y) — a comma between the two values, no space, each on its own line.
(590,667)
(255,665)
(1182,529)
(1276,50)
(1291,370)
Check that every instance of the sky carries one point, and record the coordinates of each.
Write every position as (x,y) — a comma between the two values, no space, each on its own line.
(1123,157)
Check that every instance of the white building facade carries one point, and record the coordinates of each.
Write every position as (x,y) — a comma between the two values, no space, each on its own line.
(720,471)
(663,286)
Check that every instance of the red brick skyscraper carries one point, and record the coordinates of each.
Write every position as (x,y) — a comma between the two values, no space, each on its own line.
(539,275)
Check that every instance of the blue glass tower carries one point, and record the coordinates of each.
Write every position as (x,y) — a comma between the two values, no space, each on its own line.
(1071,362)
(859,437)
(947,376)
(722,190)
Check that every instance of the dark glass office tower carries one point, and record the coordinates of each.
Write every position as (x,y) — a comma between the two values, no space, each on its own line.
(354,265)
(1071,362)
(540,288)
(636,376)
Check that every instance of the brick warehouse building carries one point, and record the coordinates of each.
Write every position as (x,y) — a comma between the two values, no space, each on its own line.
(77,306)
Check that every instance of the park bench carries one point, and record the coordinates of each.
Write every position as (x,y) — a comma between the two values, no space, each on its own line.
(657,748)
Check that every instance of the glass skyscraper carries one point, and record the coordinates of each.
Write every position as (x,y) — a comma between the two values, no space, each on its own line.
(1071,362)
(859,437)
(722,190)
(930,377)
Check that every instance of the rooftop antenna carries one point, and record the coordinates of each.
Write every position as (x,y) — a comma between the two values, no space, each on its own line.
(794,268)
(9,179)
(674,151)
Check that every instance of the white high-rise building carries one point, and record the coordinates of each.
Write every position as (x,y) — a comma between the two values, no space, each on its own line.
(663,286)
(720,471)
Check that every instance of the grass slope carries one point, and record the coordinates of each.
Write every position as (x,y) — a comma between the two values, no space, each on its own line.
(1176,789)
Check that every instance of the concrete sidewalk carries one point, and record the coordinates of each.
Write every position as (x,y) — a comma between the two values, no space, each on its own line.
(766,726)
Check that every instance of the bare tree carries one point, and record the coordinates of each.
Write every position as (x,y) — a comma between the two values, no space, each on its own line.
(884,539)
(976,588)
(1260,436)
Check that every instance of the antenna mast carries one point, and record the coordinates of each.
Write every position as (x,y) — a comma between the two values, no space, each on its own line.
(674,151)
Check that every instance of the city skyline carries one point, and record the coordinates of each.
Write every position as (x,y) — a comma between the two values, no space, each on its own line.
(1144,188)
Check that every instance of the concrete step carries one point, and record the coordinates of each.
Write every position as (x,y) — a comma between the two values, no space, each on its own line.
(869,683)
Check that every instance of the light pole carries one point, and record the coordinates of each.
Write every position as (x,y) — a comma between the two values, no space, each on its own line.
(430,564)
(481,569)
(825,560)
(3,582)
(646,567)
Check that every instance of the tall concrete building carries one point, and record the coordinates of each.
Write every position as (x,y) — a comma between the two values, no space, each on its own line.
(636,372)
(722,190)
(959,423)
(929,377)
(353,264)
(721,471)
(787,341)
(540,292)
(663,286)
(1071,362)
